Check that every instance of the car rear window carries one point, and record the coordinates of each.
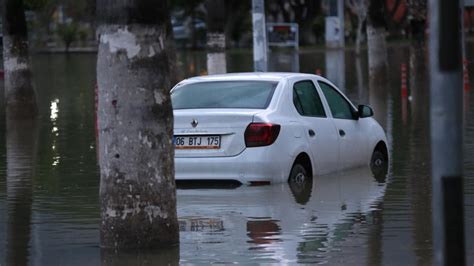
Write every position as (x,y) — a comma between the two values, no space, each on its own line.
(224,94)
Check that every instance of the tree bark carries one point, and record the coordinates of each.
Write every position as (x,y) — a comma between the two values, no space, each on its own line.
(20,96)
(216,43)
(359,7)
(136,154)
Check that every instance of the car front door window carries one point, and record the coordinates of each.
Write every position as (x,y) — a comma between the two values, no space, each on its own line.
(340,108)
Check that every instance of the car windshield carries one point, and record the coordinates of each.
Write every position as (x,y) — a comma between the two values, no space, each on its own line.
(224,94)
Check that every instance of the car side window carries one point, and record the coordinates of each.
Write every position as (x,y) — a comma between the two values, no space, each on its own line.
(306,99)
(340,107)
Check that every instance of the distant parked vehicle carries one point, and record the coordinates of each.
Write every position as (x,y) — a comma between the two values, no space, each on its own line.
(183,31)
(270,127)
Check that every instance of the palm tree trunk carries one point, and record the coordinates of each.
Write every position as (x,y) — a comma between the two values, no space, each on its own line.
(20,96)
(136,154)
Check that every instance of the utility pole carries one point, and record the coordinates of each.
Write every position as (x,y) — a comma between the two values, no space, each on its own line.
(259,36)
(446,131)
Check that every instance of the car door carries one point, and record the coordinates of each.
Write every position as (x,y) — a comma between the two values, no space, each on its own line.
(319,130)
(350,130)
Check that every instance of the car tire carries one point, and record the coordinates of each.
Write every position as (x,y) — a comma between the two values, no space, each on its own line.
(379,166)
(300,183)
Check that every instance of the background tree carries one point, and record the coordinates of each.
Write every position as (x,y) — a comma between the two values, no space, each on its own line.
(189,9)
(417,13)
(20,96)
(359,8)
(68,33)
(78,17)
(238,22)
(303,12)
(136,154)
(216,44)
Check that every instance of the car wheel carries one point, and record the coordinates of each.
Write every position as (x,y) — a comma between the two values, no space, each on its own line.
(379,166)
(300,183)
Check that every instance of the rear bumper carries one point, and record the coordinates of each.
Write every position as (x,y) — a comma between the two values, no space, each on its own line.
(252,165)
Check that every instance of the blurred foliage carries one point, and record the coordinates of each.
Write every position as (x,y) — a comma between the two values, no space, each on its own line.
(307,13)
(82,34)
(35,5)
(192,14)
(77,9)
(68,33)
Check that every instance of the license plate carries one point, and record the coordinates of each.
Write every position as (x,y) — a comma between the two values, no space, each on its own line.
(197,142)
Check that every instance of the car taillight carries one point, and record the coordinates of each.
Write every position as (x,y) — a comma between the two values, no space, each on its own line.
(261,134)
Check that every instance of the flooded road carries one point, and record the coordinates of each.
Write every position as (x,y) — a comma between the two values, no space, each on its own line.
(49,180)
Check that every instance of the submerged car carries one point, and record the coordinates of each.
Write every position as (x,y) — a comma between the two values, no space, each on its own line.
(270,128)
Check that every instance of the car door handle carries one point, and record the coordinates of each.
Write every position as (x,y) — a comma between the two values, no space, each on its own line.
(311,133)
(342,133)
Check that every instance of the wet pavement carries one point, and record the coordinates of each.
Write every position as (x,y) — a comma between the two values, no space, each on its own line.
(49,181)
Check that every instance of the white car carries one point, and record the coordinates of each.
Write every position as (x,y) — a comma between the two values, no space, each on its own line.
(259,128)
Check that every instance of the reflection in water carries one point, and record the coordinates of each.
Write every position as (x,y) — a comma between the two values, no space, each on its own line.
(197,224)
(263,231)
(21,148)
(55,131)
(54,110)
(419,184)
(272,217)
(301,191)
(378,92)
(361,88)
(284,61)
(336,67)
(164,256)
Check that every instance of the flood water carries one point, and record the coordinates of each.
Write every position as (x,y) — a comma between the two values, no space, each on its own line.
(49,180)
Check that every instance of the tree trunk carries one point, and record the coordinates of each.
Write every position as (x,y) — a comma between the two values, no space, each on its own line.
(216,44)
(136,153)
(20,96)
(192,27)
(360,23)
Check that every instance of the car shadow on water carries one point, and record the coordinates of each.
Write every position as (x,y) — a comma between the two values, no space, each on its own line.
(207,184)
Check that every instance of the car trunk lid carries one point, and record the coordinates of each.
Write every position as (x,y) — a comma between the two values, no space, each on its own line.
(204,125)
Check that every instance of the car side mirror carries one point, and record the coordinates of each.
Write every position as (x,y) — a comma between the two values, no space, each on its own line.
(365,111)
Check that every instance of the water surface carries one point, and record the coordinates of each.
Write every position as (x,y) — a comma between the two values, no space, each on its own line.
(49,180)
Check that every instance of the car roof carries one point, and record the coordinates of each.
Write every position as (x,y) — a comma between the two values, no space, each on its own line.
(267,76)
